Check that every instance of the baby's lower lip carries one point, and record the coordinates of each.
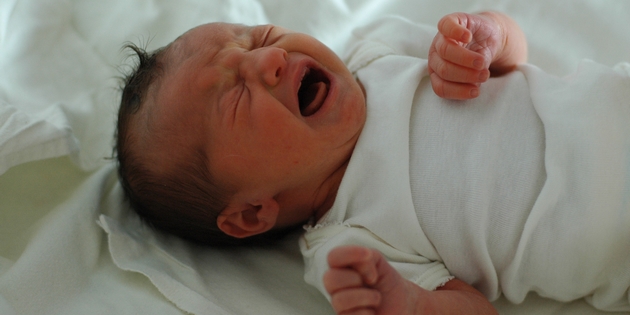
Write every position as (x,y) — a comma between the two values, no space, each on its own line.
(329,96)
(313,91)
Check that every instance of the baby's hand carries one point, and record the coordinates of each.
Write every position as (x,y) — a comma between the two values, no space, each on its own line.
(361,281)
(461,54)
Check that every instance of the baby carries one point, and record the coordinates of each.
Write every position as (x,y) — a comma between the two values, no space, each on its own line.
(235,135)
(232,131)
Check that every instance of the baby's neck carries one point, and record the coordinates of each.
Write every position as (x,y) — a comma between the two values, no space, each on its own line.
(330,188)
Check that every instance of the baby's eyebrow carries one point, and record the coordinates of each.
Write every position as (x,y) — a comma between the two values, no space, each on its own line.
(209,60)
(250,37)
(238,41)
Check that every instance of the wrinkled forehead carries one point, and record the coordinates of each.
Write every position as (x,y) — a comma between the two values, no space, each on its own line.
(181,95)
(189,57)
(207,40)
(190,62)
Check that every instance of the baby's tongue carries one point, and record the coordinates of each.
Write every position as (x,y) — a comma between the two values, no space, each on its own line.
(316,92)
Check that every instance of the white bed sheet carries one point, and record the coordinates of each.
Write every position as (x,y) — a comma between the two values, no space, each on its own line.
(59,60)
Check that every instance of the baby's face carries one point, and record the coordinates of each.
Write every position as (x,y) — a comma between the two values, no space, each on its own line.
(276,112)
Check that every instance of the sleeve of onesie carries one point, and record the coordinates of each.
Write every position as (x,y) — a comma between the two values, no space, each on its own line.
(384,37)
(389,35)
(319,241)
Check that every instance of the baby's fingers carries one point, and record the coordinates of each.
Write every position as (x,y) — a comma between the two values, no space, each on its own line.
(339,279)
(451,51)
(453,90)
(455,73)
(355,300)
(358,258)
(454,26)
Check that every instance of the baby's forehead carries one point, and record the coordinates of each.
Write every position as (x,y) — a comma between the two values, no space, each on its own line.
(195,59)
(190,74)
(207,40)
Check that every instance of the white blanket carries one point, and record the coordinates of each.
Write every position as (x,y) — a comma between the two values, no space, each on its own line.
(59,63)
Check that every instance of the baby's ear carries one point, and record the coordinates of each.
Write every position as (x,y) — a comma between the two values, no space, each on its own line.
(242,220)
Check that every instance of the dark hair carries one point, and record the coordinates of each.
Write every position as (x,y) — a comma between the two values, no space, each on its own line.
(184,200)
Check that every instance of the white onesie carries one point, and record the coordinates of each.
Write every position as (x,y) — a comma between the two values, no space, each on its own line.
(525,188)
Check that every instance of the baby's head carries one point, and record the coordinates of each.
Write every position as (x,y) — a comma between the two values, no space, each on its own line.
(232,133)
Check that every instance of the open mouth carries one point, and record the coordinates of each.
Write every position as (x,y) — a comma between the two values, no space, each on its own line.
(313,91)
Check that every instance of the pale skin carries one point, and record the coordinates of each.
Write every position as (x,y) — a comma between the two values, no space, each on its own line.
(470,48)
(361,282)
(466,51)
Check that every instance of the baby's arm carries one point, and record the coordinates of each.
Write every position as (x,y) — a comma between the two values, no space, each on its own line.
(469,48)
(361,281)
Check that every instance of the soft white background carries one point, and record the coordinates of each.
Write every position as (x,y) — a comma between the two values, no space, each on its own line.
(59,63)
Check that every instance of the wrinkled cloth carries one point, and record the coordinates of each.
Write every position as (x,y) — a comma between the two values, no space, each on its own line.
(525,188)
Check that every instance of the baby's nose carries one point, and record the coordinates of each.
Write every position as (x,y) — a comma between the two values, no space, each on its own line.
(268,63)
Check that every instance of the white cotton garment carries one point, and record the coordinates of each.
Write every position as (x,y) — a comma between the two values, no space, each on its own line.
(523,189)
(528,189)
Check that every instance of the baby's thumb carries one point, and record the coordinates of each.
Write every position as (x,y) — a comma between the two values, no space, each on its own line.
(388,277)
(453,26)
